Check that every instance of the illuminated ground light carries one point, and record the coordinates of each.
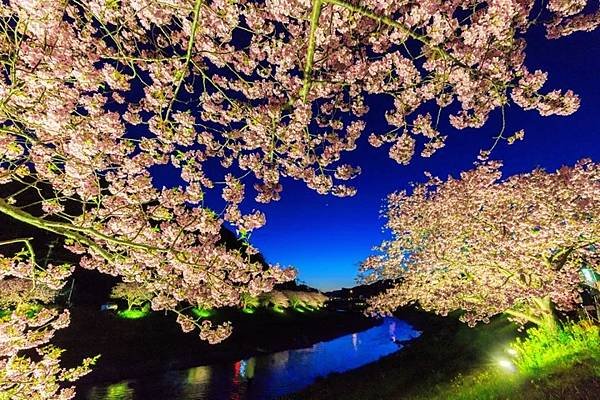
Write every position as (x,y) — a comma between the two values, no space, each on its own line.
(202,312)
(506,365)
(299,309)
(248,310)
(590,275)
(279,310)
(132,314)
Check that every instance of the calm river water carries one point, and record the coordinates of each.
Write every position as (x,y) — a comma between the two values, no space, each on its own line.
(265,376)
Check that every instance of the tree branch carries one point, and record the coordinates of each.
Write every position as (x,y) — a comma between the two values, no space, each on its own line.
(27,242)
(188,54)
(55,227)
(310,52)
(525,316)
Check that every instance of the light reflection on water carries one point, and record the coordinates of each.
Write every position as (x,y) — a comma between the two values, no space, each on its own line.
(266,376)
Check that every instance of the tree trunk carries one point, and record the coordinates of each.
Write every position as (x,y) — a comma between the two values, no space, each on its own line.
(546,311)
(540,313)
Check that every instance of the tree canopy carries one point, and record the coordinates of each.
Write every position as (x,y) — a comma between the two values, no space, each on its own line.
(486,246)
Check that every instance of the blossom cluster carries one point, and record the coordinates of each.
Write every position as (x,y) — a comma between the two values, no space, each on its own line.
(28,320)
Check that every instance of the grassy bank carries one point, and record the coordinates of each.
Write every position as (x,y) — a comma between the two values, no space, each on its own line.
(561,364)
(452,361)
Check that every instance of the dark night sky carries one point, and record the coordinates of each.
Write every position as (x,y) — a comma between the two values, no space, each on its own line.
(326,237)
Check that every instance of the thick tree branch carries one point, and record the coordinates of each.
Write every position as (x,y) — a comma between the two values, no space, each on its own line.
(55,227)
(310,53)
(525,316)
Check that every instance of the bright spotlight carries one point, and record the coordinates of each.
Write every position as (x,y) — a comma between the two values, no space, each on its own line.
(507,365)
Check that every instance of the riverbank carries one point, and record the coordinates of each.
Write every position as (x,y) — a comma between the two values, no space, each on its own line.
(439,353)
(451,361)
(134,348)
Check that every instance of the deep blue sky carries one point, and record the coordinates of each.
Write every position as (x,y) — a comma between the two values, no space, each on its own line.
(326,237)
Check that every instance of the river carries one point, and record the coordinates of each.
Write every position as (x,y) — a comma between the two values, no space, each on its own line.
(265,376)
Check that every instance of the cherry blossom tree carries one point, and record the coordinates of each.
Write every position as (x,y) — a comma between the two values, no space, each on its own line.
(99,97)
(250,302)
(135,295)
(295,298)
(313,300)
(274,298)
(96,95)
(486,246)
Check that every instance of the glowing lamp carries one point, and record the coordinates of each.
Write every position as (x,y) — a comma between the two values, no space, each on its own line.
(507,365)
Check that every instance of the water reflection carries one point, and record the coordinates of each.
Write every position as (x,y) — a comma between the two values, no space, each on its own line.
(264,377)
(196,380)
(247,368)
(355,341)
(120,391)
(392,331)
(198,375)
(280,360)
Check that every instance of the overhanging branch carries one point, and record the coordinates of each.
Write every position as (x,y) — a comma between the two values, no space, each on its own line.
(314,22)
(310,52)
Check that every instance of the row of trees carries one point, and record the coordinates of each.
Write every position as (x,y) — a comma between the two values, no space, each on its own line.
(137,298)
(98,98)
(297,300)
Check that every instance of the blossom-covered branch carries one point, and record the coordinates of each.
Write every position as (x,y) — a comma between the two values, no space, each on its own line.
(28,320)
